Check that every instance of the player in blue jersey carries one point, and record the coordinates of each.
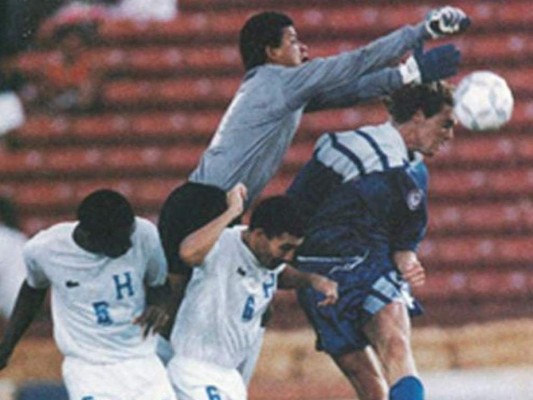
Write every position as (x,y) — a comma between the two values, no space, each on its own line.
(107,274)
(364,195)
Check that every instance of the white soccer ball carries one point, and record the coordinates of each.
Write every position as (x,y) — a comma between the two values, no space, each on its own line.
(483,101)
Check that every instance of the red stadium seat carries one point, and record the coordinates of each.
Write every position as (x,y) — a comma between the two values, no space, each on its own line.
(64,196)
(502,216)
(137,93)
(95,161)
(476,251)
(146,126)
(476,285)
(348,19)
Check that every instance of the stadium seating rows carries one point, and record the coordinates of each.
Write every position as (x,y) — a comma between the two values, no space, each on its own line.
(343,19)
(198,126)
(168,83)
(462,158)
(502,214)
(171,60)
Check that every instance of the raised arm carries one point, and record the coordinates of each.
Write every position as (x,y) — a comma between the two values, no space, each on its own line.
(436,64)
(29,302)
(197,245)
(322,75)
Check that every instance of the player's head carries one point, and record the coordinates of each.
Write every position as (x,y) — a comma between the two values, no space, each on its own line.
(424,114)
(270,37)
(106,219)
(276,229)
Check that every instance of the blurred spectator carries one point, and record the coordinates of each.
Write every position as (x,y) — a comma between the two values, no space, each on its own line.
(12,269)
(70,81)
(20,20)
(159,10)
(82,11)
(11,108)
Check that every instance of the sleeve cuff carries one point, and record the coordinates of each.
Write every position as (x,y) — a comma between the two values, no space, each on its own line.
(410,72)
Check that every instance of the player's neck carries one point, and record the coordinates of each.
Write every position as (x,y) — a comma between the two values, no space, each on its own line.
(246,238)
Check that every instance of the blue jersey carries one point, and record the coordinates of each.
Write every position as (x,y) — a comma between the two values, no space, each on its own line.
(362,190)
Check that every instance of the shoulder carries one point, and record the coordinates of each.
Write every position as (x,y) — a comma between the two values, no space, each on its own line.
(229,240)
(11,235)
(144,227)
(48,239)
(146,236)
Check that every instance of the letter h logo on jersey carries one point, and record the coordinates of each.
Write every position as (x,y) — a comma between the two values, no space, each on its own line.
(124,288)
(123,285)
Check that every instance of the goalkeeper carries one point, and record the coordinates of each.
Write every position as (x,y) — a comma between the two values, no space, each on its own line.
(279,85)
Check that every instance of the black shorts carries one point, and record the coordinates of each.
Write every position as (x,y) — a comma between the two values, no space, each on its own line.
(185,210)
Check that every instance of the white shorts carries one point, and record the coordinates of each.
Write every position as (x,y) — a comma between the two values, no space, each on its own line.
(247,367)
(136,379)
(197,380)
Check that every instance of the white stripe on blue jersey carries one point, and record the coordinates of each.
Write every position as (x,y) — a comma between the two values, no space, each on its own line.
(363,151)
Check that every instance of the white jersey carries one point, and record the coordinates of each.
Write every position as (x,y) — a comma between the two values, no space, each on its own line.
(12,271)
(219,320)
(96,298)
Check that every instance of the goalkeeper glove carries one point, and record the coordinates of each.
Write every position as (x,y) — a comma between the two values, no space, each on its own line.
(436,64)
(446,21)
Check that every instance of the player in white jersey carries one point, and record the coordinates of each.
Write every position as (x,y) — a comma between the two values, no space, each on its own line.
(236,272)
(108,278)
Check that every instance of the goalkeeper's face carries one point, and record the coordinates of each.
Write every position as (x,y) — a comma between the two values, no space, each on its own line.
(291,52)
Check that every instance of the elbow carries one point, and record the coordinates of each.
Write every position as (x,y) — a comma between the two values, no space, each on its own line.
(189,257)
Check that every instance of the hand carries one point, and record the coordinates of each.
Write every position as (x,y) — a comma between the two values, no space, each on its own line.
(410,267)
(438,63)
(327,287)
(236,198)
(153,319)
(446,21)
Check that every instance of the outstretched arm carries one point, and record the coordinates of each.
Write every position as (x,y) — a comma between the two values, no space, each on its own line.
(197,245)
(29,302)
(322,75)
(291,278)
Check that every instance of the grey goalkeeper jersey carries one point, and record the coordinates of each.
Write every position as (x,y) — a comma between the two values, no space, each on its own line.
(262,118)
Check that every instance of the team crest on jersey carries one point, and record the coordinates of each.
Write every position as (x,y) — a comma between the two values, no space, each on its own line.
(414,199)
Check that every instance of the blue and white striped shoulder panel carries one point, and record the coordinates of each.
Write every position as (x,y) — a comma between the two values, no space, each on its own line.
(361,152)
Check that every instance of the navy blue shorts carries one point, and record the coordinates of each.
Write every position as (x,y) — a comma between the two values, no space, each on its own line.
(366,285)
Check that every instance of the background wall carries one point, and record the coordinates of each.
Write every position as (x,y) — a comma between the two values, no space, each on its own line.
(165,86)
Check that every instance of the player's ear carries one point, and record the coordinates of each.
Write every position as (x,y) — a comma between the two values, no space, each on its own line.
(259,233)
(272,54)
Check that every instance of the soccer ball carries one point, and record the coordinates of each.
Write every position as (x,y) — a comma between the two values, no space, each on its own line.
(483,101)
